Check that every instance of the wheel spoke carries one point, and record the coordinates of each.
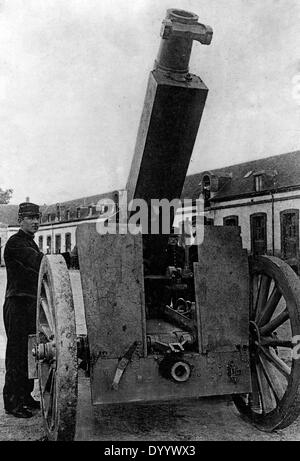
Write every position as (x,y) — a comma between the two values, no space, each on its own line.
(53,412)
(254,295)
(274,342)
(266,396)
(48,382)
(51,397)
(46,311)
(44,376)
(49,303)
(262,294)
(273,380)
(46,331)
(276,361)
(254,397)
(270,307)
(275,323)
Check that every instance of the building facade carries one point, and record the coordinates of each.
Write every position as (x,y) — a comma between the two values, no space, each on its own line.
(57,231)
(8,226)
(262,197)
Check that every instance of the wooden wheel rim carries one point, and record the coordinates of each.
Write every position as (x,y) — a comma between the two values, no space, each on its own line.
(274,306)
(56,343)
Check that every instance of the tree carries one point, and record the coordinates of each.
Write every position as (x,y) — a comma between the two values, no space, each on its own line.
(5,195)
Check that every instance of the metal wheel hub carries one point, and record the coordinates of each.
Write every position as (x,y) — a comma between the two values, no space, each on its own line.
(45,351)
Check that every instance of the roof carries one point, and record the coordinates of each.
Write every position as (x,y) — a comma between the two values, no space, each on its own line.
(280,172)
(9,214)
(76,203)
(72,205)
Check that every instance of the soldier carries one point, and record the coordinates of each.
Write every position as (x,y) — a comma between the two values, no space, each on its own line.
(22,259)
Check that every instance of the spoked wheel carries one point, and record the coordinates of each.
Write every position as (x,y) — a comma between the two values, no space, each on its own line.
(56,349)
(275,363)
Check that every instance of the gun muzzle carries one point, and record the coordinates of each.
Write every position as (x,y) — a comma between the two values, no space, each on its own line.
(178,31)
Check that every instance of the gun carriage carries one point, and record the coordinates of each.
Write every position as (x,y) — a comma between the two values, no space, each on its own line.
(221,324)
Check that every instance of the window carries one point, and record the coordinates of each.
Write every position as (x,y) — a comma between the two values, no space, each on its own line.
(41,242)
(78,212)
(258,182)
(68,242)
(231,221)
(57,243)
(48,217)
(49,249)
(58,212)
(258,226)
(289,226)
(206,190)
(67,215)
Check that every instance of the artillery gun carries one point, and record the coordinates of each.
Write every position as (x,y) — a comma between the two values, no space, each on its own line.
(219,324)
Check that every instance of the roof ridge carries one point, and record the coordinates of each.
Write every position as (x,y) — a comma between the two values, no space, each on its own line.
(261,159)
(287,167)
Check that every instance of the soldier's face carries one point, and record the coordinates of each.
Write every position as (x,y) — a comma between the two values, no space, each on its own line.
(30,224)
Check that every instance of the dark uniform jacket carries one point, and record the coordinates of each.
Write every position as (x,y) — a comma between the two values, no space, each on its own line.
(22,259)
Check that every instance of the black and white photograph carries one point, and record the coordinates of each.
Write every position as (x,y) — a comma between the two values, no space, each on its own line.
(149,223)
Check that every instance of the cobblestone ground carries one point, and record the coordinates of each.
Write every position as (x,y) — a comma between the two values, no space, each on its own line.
(204,419)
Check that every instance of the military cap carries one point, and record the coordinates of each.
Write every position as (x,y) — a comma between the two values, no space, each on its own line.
(28,209)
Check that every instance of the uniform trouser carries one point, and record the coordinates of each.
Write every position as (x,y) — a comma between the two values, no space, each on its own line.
(19,321)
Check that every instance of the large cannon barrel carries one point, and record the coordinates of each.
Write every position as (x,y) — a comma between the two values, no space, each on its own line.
(172,112)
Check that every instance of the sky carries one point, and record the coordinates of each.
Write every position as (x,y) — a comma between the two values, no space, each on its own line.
(73,76)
